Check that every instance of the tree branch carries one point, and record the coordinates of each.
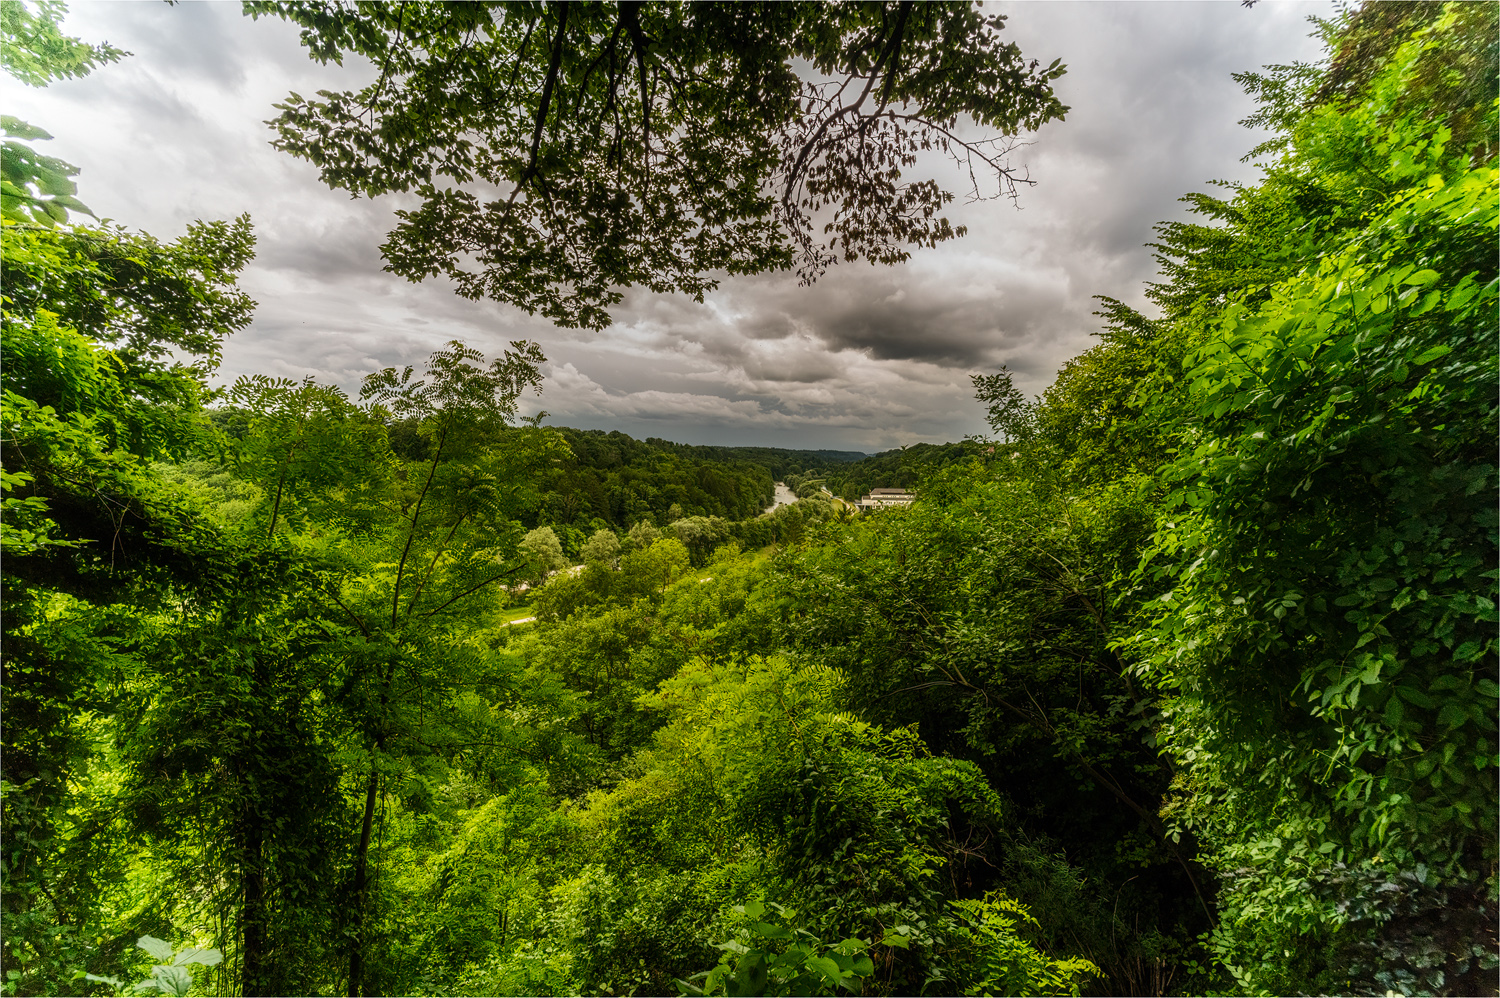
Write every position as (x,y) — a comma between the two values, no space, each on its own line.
(546,102)
(471,590)
(411,532)
(630,16)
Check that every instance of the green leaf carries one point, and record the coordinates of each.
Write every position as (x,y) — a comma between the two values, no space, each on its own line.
(1468,651)
(1428,302)
(750,976)
(56,183)
(203,957)
(168,980)
(826,967)
(1422,277)
(72,204)
(1412,695)
(159,949)
(1459,296)
(18,129)
(1452,716)
(1431,354)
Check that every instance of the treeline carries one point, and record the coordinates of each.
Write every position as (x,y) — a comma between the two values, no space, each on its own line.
(779,461)
(1183,684)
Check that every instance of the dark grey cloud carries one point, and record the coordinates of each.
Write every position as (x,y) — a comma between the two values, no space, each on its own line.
(866,358)
(895,327)
(963,320)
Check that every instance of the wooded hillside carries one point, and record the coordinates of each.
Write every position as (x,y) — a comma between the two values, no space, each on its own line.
(1184,682)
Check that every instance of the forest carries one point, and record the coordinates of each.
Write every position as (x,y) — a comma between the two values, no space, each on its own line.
(1180,681)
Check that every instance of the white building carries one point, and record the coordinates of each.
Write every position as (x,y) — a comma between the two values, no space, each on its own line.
(886,498)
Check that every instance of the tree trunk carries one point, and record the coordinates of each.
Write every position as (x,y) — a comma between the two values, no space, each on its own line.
(361,870)
(253,916)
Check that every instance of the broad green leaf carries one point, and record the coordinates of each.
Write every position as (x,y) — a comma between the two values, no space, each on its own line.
(1412,695)
(1428,302)
(209,957)
(18,129)
(1468,651)
(1453,715)
(1461,295)
(826,967)
(159,949)
(751,976)
(168,981)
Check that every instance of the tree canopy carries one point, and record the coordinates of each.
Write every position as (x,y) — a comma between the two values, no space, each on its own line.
(565,151)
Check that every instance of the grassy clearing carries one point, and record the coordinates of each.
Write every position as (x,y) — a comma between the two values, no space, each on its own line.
(523,612)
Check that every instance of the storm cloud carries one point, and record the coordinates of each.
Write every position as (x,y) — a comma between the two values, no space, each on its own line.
(867,358)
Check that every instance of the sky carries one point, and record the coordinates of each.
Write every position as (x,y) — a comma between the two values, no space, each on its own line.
(867,359)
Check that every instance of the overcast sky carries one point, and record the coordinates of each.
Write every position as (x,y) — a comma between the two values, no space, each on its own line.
(867,359)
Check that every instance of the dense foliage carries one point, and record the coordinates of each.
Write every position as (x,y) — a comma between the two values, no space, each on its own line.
(1184,683)
(598,480)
